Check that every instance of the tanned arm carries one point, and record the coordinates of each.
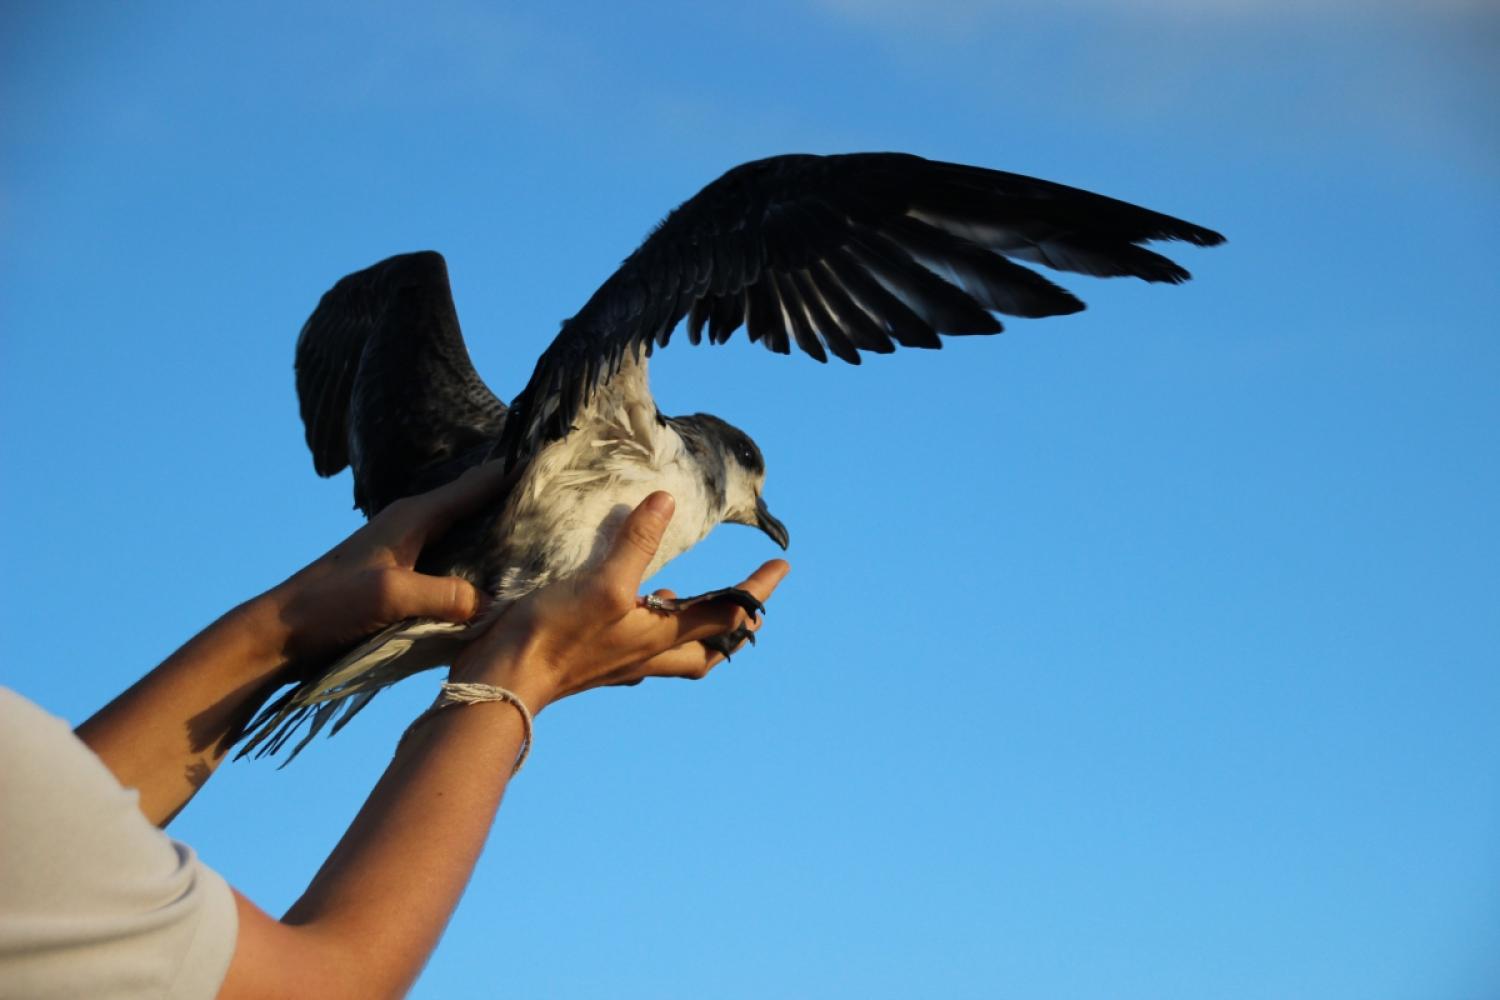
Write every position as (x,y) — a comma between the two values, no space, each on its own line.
(168,732)
(374,912)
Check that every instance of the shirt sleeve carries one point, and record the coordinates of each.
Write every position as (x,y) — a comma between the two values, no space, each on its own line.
(95,901)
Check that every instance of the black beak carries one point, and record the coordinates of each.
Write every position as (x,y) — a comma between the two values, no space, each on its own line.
(765,522)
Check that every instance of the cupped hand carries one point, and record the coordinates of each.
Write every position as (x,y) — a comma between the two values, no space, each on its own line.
(594,630)
(367,582)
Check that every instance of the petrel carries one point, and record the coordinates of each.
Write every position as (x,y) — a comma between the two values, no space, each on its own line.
(837,255)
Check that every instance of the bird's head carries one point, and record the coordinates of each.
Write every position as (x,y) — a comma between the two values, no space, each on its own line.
(736,462)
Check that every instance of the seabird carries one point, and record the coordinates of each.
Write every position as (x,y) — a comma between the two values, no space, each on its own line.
(837,255)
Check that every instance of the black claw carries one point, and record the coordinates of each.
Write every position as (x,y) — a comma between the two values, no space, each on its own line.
(727,642)
(746,600)
(721,644)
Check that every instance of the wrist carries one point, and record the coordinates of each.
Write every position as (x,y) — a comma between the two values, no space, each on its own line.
(518,668)
(273,614)
(306,618)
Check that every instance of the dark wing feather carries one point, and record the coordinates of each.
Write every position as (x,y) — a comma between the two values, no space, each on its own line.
(842,254)
(385,383)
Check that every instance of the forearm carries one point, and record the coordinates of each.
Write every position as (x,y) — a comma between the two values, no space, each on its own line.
(375,911)
(165,734)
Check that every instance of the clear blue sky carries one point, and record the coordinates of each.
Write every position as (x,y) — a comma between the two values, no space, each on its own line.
(1146,653)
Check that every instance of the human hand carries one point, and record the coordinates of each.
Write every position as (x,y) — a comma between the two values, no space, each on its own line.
(593,630)
(367,582)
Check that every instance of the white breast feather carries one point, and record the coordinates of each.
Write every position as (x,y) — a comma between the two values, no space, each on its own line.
(579,490)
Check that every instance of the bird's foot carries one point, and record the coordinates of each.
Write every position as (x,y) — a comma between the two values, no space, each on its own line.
(725,643)
(742,598)
(728,642)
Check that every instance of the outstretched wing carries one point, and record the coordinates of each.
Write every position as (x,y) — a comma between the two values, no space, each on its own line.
(386,386)
(842,254)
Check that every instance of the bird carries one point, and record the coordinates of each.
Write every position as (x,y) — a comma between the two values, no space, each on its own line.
(838,256)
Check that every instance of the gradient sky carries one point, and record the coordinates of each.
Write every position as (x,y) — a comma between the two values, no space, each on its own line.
(1144,653)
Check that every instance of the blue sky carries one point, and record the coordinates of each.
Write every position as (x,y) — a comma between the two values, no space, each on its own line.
(1145,653)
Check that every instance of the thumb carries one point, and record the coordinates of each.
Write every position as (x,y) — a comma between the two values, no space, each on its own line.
(638,539)
(449,598)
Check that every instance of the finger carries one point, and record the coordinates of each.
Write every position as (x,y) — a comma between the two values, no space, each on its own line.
(690,661)
(636,542)
(435,510)
(716,617)
(701,621)
(417,595)
(664,593)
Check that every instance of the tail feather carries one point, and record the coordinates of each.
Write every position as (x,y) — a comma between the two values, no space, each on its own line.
(391,655)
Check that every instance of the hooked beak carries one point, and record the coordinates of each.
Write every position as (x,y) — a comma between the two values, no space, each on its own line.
(765,522)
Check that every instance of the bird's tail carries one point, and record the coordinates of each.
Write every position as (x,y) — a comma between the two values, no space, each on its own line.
(395,653)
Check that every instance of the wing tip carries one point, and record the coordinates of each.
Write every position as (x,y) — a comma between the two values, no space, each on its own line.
(1198,236)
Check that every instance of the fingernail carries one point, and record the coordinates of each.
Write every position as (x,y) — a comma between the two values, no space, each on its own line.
(661,502)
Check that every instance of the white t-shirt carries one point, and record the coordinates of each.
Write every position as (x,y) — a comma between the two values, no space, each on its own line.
(94,900)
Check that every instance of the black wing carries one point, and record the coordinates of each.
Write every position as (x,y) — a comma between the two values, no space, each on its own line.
(386,385)
(842,254)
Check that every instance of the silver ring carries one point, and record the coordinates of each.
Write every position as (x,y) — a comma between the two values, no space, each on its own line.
(655,603)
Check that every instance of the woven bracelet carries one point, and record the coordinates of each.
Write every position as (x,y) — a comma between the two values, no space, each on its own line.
(454,693)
